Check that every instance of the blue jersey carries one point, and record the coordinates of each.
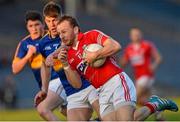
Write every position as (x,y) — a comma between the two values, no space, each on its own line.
(35,61)
(46,47)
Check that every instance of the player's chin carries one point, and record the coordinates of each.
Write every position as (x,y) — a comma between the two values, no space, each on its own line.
(67,43)
(54,32)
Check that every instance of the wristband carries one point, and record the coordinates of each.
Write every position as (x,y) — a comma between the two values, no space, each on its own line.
(66,67)
(42,89)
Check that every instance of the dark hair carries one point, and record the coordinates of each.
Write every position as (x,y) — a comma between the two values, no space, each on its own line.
(73,22)
(33,15)
(52,9)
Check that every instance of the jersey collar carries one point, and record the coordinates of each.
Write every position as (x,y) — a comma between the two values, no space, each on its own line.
(80,36)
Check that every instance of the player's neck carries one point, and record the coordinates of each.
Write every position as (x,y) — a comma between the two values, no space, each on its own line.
(75,44)
(35,37)
(136,42)
(53,35)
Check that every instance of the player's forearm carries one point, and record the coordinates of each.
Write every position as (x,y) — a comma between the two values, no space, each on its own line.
(19,65)
(56,52)
(157,62)
(73,77)
(110,48)
(123,62)
(45,77)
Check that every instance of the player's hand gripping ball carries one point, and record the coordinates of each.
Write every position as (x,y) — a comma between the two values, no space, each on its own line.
(94,48)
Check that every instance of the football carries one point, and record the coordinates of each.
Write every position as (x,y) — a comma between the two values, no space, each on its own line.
(93,48)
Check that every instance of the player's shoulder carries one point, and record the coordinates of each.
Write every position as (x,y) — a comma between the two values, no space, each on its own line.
(26,38)
(93,31)
(44,39)
(45,36)
(129,46)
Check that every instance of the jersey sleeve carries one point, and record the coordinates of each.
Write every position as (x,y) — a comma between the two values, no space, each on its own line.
(153,48)
(40,47)
(20,52)
(98,36)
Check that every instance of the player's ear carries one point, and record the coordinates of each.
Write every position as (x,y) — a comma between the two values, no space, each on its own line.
(76,30)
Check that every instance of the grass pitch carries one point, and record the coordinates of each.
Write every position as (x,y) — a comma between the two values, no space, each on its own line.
(32,115)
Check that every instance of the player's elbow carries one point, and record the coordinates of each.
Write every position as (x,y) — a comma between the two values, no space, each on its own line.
(77,85)
(159,59)
(117,47)
(14,69)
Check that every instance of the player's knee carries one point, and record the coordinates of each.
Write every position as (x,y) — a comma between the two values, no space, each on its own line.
(43,111)
(127,118)
(125,113)
(136,118)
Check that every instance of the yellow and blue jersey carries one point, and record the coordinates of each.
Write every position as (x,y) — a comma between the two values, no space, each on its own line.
(35,61)
(47,46)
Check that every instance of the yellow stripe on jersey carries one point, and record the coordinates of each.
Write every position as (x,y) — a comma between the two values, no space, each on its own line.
(36,61)
(17,48)
(57,65)
(26,37)
(16,59)
(46,33)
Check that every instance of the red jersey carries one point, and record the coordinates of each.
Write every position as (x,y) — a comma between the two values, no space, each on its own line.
(140,57)
(97,76)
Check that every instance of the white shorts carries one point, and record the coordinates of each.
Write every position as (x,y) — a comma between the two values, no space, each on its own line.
(116,92)
(56,87)
(83,98)
(145,81)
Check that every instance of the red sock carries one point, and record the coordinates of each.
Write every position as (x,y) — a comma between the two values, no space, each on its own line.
(151,106)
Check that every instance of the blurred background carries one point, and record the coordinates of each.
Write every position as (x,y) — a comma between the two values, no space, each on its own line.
(158,19)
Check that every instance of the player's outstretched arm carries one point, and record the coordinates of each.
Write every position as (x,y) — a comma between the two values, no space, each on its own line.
(123,62)
(157,59)
(19,63)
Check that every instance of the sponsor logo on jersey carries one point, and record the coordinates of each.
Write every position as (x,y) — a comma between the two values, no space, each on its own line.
(47,48)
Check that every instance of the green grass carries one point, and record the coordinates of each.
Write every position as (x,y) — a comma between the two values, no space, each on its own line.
(31,114)
(24,114)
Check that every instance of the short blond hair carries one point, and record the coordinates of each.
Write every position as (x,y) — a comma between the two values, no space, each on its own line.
(52,9)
